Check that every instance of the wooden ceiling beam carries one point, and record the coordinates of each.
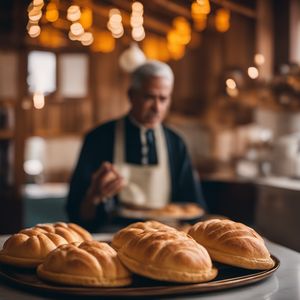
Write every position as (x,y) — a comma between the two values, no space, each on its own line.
(175,8)
(240,9)
(183,11)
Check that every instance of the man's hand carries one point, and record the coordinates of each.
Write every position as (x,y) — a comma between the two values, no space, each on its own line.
(106,182)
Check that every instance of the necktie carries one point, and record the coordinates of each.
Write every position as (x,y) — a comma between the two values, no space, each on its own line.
(149,155)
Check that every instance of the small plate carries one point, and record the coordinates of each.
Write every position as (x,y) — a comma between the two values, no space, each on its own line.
(165,216)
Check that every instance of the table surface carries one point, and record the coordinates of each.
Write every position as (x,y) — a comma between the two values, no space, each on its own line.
(283,284)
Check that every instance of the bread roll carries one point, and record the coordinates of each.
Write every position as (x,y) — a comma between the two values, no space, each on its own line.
(89,263)
(187,210)
(30,246)
(124,235)
(232,243)
(167,255)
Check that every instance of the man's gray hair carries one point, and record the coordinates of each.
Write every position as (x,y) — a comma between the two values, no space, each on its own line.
(152,68)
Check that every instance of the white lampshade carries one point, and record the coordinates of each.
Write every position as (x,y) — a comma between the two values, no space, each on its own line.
(131,58)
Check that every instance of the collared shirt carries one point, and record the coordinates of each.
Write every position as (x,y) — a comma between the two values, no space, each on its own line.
(98,147)
(140,144)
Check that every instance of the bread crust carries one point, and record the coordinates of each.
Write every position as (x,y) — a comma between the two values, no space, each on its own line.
(164,253)
(232,243)
(89,263)
(30,246)
(134,229)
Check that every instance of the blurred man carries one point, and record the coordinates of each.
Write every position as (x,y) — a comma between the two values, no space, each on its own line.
(135,160)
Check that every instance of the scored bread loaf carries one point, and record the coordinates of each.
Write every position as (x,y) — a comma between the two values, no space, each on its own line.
(232,243)
(89,263)
(124,235)
(30,246)
(167,255)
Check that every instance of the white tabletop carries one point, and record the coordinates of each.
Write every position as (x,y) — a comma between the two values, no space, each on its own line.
(283,284)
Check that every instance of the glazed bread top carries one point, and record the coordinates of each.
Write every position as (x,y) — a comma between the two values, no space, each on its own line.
(89,263)
(124,235)
(167,255)
(232,243)
(30,246)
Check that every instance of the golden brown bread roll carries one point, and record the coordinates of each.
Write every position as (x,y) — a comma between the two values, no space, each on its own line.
(167,255)
(89,263)
(134,229)
(187,210)
(232,243)
(30,246)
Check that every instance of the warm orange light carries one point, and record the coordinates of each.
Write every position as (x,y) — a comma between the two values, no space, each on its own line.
(156,48)
(103,42)
(52,38)
(150,48)
(86,18)
(204,6)
(52,12)
(222,20)
(176,51)
(199,18)
(200,24)
(173,37)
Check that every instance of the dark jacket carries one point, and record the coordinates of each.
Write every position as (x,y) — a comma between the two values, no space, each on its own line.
(98,147)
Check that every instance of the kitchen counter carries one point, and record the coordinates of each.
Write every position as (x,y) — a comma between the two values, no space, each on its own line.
(283,284)
(271,181)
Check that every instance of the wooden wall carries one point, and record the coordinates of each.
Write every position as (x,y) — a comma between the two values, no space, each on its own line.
(197,75)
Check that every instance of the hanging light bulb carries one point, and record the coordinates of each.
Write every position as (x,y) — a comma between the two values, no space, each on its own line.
(86,18)
(73,13)
(131,58)
(253,72)
(76,29)
(52,12)
(199,18)
(259,59)
(38,100)
(86,38)
(115,23)
(34,31)
(222,20)
(204,6)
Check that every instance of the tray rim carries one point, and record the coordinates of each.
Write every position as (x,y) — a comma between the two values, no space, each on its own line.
(161,290)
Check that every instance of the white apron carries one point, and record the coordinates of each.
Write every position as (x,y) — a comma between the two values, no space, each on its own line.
(147,186)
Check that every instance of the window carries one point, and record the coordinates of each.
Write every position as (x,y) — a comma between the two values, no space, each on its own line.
(41,72)
(73,75)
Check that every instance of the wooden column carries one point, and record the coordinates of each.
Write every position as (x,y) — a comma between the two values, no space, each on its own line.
(265,37)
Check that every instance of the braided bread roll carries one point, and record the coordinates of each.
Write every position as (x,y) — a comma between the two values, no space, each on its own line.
(30,246)
(232,243)
(124,235)
(167,255)
(89,263)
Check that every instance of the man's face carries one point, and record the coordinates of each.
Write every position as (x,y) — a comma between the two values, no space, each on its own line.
(150,103)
